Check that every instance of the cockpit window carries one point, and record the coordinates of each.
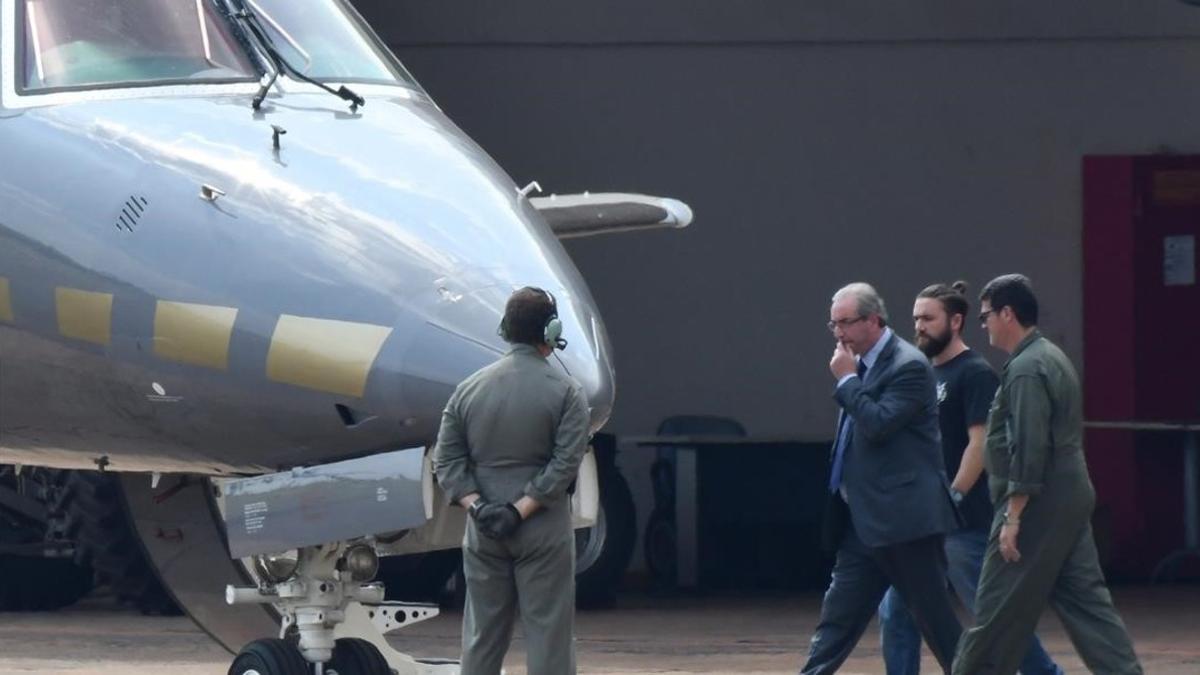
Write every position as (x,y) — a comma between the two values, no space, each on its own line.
(324,41)
(92,43)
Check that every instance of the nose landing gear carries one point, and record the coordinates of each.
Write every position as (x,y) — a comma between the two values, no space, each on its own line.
(355,656)
(270,656)
(273,656)
(326,592)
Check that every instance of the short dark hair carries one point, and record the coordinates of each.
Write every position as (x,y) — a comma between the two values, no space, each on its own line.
(1016,292)
(526,314)
(952,296)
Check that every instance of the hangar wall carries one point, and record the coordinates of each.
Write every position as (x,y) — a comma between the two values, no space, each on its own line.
(819,143)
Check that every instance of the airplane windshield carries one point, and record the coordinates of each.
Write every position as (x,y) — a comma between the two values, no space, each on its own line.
(74,44)
(325,42)
(95,43)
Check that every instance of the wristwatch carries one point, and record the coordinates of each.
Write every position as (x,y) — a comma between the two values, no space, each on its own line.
(956,496)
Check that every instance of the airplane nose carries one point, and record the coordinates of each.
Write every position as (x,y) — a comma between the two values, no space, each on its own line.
(417,236)
(459,335)
(587,357)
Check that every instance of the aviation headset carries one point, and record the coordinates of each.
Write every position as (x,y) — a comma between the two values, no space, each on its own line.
(551,330)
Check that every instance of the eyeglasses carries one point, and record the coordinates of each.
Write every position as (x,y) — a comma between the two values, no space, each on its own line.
(845,323)
(983,316)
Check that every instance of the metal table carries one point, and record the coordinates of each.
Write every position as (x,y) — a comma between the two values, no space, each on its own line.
(1191,486)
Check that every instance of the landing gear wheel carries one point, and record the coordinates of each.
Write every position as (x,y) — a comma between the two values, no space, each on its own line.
(271,656)
(354,656)
(602,552)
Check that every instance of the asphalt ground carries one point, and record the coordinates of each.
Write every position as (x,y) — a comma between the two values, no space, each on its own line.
(755,634)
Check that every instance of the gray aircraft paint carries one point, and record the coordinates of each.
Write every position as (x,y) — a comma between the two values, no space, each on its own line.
(389,218)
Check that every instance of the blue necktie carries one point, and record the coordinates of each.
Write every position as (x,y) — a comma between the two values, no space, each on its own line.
(843,440)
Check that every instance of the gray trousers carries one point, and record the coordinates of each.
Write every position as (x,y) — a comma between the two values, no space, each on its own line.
(1058,565)
(532,573)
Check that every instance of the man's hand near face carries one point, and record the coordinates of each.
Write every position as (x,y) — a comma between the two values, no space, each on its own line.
(842,363)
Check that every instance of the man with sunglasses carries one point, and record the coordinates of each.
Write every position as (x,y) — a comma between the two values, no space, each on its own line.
(889,500)
(1041,548)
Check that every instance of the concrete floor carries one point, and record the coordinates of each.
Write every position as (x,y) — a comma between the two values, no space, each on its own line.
(644,635)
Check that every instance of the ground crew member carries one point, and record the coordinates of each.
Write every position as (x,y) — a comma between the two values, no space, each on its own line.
(1041,548)
(512,437)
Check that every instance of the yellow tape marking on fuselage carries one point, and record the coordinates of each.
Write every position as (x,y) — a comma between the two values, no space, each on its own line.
(323,354)
(6,312)
(84,315)
(194,334)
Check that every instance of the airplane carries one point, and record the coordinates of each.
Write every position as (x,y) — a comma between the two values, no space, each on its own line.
(244,260)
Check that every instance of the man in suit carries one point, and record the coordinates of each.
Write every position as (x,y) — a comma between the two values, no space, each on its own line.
(890,503)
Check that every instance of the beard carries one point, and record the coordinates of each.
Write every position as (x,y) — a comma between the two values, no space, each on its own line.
(932,345)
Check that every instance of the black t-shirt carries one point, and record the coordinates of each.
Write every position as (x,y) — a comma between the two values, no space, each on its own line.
(966,386)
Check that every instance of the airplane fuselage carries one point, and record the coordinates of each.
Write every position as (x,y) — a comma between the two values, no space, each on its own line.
(178,295)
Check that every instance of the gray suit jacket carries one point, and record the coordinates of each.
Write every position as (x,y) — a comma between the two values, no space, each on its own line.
(894,475)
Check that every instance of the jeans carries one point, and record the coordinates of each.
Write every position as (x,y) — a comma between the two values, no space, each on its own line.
(900,640)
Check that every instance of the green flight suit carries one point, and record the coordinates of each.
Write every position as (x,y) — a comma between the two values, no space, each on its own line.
(1035,448)
(517,427)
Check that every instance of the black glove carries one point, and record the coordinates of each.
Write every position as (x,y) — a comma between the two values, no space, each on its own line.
(497,521)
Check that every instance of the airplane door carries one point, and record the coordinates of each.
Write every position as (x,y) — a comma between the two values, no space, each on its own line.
(1141,225)
(1167,298)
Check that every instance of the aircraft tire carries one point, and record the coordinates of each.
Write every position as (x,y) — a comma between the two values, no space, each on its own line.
(270,656)
(602,552)
(354,656)
(105,540)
